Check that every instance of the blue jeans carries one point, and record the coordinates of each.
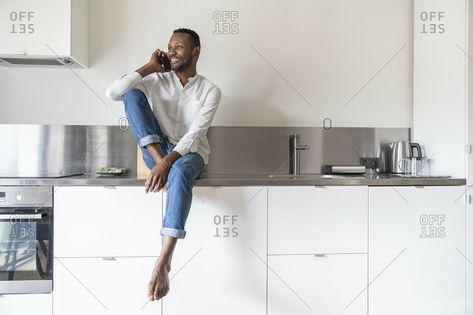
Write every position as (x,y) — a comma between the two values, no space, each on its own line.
(183,172)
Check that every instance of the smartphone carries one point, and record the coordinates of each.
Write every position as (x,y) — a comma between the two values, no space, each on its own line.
(165,62)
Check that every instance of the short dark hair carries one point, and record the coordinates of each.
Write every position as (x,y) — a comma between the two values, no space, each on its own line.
(193,34)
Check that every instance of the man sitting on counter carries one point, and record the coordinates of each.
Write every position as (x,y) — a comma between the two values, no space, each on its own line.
(170,108)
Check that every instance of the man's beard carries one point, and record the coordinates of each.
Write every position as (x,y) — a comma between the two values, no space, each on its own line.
(186,65)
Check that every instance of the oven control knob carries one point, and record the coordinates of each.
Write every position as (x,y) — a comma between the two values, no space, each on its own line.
(19,197)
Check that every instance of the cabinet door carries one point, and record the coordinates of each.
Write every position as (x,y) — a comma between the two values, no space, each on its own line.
(30,26)
(97,286)
(21,304)
(220,267)
(308,284)
(307,220)
(469,270)
(106,221)
(417,248)
(440,81)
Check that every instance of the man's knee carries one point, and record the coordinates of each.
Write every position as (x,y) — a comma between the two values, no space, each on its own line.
(133,96)
(181,171)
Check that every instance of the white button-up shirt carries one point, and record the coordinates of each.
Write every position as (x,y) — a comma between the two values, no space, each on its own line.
(183,113)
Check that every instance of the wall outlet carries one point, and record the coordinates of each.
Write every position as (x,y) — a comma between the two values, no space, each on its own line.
(370,163)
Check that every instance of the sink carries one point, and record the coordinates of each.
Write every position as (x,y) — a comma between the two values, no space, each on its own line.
(294,176)
(335,176)
(339,176)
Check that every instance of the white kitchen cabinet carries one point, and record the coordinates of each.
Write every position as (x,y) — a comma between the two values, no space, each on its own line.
(443,89)
(441,56)
(220,266)
(97,286)
(21,304)
(416,250)
(308,284)
(469,255)
(106,221)
(35,29)
(307,220)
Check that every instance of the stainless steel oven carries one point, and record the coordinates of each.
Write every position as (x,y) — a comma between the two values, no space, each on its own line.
(26,239)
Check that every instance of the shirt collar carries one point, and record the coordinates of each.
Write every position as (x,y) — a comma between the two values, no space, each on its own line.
(178,81)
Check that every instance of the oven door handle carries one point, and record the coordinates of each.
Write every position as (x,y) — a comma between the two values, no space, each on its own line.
(23,216)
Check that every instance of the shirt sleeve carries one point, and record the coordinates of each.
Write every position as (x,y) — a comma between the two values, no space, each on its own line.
(129,81)
(198,130)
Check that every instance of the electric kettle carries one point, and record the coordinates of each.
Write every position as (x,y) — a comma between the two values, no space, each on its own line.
(401,154)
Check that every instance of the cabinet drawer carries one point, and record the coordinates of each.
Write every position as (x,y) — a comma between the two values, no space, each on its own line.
(97,286)
(330,219)
(21,304)
(305,284)
(100,221)
(223,257)
(416,234)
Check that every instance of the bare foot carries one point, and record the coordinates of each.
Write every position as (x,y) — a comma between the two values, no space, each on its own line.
(159,283)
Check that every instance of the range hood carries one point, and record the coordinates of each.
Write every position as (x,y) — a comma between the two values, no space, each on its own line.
(39,61)
(51,33)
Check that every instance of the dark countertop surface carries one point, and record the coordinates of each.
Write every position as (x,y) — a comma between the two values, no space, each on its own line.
(247,180)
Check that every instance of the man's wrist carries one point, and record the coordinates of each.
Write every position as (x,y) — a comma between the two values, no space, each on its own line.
(166,162)
(146,70)
(171,157)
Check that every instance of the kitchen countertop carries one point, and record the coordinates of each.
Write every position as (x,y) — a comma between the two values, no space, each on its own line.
(247,180)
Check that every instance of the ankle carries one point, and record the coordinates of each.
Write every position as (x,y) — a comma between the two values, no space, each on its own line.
(163,265)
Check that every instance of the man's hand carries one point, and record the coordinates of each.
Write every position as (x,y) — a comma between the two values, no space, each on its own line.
(154,64)
(158,176)
(155,60)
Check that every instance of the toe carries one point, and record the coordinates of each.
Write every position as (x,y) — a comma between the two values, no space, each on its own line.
(165,291)
(157,295)
(151,290)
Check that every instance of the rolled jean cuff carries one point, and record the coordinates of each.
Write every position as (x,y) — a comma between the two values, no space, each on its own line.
(173,232)
(149,139)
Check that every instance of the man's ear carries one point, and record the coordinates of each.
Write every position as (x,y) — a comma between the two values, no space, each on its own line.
(196,52)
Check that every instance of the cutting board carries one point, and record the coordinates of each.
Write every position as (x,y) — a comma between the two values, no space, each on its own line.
(142,170)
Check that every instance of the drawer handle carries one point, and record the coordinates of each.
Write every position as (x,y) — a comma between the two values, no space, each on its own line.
(12,216)
(109,258)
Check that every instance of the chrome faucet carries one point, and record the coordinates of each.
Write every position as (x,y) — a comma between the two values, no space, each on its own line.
(294,155)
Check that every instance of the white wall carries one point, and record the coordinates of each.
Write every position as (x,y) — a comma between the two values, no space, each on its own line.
(327,50)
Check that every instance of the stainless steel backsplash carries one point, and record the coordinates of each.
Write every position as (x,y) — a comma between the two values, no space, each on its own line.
(266,149)
(30,149)
(57,149)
